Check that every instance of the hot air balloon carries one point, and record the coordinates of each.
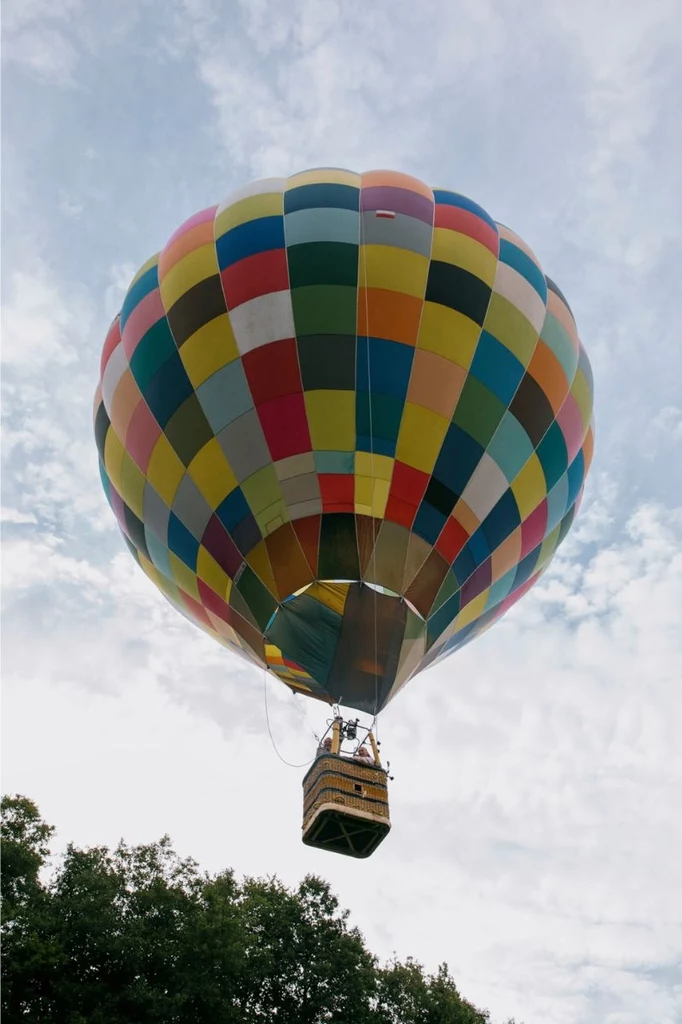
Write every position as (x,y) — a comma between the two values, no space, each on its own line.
(344,422)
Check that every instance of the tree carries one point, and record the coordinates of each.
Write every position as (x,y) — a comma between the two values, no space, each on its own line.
(25,848)
(304,965)
(133,935)
(141,935)
(27,947)
(408,996)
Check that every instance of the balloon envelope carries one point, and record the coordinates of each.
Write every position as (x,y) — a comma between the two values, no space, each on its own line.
(344,422)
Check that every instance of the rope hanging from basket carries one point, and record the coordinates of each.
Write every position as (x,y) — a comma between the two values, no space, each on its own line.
(289,764)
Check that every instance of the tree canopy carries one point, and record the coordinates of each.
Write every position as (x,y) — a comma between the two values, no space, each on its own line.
(138,935)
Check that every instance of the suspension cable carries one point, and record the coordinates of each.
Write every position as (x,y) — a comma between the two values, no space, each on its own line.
(289,764)
(375,535)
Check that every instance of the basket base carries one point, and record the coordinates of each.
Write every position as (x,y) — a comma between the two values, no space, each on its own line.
(343,831)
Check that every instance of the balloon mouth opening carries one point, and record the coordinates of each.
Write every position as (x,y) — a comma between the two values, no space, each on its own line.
(346,640)
(376,587)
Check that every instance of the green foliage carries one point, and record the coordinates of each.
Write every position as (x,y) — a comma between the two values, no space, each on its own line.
(25,848)
(140,935)
(408,996)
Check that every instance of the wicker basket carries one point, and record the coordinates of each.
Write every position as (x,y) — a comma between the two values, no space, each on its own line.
(345,805)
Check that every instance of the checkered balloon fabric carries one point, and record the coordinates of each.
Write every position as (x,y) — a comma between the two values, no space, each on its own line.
(344,422)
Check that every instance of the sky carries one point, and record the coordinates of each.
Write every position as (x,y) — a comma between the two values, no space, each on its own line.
(537,841)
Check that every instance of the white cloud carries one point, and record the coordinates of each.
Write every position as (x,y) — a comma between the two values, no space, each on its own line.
(46,52)
(664,433)
(322,83)
(50,360)
(39,37)
(19,14)
(38,326)
(27,564)
(13,515)
(69,207)
(620,49)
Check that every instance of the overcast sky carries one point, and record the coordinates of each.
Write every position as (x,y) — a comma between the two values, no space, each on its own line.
(537,836)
